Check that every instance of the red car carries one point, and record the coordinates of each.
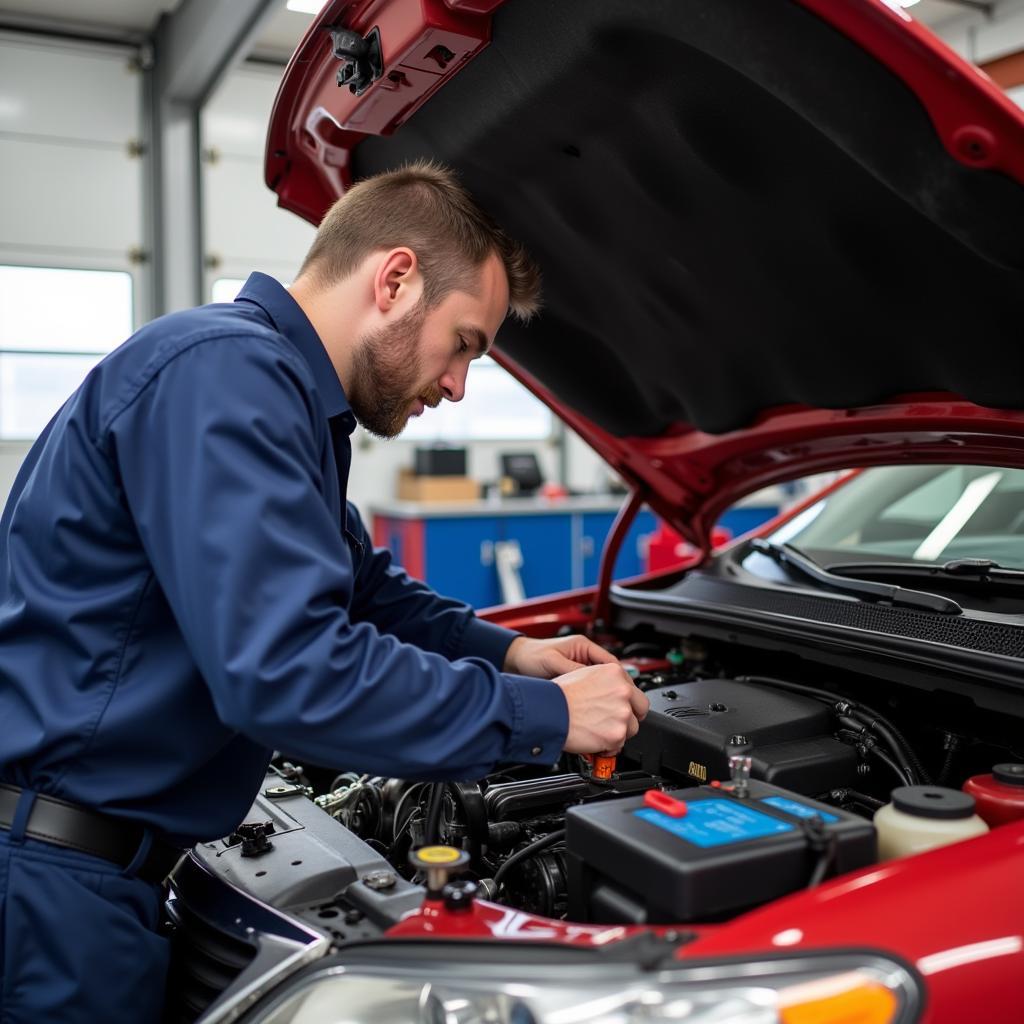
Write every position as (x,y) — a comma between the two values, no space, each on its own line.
(779,238)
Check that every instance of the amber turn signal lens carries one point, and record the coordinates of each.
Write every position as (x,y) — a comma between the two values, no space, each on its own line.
(843,999)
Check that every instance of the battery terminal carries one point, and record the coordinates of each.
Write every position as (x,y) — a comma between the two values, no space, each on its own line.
(739,772)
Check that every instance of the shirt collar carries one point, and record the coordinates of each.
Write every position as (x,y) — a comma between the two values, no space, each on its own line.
(287,316)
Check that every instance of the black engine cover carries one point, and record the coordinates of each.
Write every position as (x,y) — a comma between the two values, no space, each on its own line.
(690,727)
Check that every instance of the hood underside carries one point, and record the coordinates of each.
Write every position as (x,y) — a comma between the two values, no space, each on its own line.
(738,209)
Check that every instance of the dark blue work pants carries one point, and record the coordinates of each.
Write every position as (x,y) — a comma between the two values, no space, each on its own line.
(77,939)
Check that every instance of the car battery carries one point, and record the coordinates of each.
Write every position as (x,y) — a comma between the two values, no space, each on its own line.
(705,853)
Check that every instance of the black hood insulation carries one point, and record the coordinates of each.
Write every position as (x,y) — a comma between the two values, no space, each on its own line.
(735,208)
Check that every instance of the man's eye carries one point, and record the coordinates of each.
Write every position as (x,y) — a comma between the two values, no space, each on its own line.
(463,345)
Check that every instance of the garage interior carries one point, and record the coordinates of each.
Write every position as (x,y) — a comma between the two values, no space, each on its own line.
(134,152)
(757,678)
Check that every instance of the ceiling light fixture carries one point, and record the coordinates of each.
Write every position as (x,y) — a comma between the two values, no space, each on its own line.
(316,6)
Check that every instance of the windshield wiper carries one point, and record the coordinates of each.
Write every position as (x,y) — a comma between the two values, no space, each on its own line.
(980,569)
(790,558)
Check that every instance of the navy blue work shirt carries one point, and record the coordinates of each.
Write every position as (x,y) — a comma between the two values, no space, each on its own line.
(184,589)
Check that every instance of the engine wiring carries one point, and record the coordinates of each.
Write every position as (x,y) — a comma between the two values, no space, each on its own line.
(866,719)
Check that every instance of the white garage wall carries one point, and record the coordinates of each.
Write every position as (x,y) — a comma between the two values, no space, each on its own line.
(243,228)
(70,119)
(979,36)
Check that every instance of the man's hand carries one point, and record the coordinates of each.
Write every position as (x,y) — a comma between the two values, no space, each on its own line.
(546,659)
(605,708)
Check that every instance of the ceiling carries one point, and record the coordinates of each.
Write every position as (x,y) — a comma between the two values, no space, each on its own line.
(284,28)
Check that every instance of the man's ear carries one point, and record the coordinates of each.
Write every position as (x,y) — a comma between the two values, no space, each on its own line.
(397,280)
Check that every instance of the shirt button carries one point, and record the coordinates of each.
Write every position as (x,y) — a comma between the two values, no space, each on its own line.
(536,751)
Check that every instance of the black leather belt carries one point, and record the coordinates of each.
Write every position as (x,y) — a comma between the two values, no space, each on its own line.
(78,828)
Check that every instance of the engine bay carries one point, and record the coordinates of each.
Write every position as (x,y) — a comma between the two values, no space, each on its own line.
(753,776)
(826,755)
(513,824)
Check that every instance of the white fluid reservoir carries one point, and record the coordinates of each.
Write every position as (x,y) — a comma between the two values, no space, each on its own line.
(922,817)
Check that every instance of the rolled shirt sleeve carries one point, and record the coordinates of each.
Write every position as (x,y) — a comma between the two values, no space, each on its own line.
(299,649)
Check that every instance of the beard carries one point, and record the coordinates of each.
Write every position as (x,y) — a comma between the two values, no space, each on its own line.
(385,372)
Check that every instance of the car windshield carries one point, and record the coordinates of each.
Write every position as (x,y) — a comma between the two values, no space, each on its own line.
(927,514)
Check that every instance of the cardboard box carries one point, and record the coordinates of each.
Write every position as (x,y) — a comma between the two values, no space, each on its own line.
(436,488)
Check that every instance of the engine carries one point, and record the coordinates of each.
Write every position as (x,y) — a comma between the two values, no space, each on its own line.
(565,842)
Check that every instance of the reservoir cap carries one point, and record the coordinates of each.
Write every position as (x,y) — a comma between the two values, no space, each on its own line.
(933,802)
(1010,774)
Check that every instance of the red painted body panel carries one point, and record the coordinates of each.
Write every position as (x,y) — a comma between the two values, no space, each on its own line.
(491,921)
(485,921)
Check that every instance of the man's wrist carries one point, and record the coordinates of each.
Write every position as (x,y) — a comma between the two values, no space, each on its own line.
(486,640)
(510,655)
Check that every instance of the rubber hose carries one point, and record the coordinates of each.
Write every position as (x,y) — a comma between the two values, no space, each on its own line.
(432,829)
(526,851)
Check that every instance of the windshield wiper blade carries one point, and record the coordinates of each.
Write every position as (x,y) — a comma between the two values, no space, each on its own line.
(980,569)
(790,558)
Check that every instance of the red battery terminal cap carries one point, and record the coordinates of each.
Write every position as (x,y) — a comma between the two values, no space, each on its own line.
(666,804)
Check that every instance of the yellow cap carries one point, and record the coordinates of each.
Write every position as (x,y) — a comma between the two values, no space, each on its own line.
(438,854)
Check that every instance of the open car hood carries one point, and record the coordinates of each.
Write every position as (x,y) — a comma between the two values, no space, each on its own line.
(778,236)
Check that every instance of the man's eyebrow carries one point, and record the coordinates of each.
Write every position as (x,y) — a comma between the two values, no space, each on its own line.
(483,346)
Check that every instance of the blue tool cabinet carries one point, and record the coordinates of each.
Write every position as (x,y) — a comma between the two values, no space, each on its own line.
(452,546)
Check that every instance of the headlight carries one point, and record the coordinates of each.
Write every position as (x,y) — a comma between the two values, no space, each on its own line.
(852,989)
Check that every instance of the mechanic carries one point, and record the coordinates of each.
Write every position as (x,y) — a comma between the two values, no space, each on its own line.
(184,590)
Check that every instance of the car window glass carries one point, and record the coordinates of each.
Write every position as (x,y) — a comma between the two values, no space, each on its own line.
(926,504)
(916,513)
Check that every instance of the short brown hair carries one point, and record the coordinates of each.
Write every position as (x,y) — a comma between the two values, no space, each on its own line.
(425,207)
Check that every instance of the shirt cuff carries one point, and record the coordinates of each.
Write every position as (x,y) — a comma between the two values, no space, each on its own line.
(486,640)
(541,721)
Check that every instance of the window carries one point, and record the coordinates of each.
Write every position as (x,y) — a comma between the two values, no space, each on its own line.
(55,325)
(224,289)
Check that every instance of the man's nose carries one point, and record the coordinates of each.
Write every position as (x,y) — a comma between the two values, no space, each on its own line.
(453,386)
